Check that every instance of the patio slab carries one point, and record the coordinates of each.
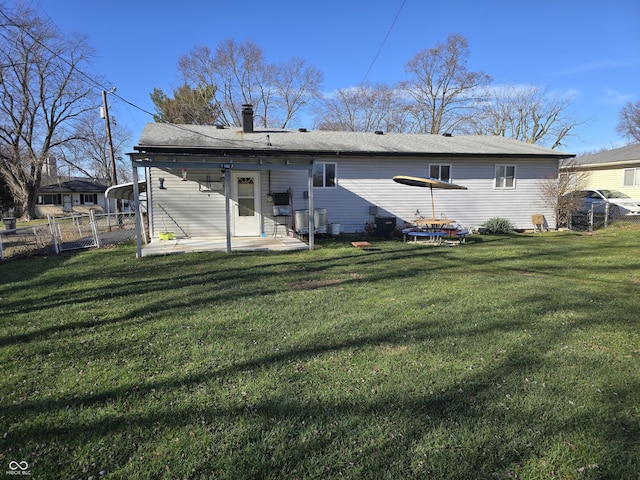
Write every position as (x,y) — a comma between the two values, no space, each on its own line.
(219,244)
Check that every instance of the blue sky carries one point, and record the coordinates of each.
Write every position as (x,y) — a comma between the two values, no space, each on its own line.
(589,49)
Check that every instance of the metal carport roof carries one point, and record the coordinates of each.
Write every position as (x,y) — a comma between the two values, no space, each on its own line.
(124,191)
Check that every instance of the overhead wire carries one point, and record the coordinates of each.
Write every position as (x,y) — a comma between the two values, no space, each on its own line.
(110,90)
(384,41)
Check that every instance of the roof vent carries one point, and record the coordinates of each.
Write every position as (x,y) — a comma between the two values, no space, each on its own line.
(247,118)
(379,132)
(446,134)
(302,130)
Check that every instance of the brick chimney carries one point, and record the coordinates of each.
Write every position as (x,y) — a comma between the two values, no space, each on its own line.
(247,118)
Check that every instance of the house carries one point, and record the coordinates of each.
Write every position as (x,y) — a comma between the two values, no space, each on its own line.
(617,169)
(72,196)
(206,181)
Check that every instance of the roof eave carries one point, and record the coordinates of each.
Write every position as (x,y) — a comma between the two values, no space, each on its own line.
(227,153)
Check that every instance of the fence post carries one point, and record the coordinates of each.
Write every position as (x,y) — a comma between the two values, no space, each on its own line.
(606,214)
(52,229)
(94,228)
(1,250)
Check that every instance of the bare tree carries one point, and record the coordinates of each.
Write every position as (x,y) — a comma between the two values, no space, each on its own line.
(441,89)
(365,108)
(6,199)
(629,123)
(526,113)
(89,153)
(42,94)
(241,75)
(560,192)
(296,85)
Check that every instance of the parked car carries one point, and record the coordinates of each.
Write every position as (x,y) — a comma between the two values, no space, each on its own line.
(619,203)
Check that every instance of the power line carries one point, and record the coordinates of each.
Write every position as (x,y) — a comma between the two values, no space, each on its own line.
(383,42)
(99,84)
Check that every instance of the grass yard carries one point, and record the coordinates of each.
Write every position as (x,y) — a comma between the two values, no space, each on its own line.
(508,357)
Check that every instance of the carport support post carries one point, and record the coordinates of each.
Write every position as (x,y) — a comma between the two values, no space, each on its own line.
(136,198)
(311,214)
(227,203)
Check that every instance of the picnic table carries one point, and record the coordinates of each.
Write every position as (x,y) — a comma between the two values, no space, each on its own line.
(433,223)
(435,230)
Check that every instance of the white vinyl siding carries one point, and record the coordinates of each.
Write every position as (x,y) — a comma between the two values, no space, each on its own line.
(613,179)
(369,183)
(362,184)
(182,208)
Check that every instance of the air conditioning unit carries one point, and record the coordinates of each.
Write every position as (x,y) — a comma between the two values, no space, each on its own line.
(281,210)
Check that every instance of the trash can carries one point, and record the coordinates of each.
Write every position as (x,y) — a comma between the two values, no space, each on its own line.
(320,220)
(335,229)
(9,223)
(301,220)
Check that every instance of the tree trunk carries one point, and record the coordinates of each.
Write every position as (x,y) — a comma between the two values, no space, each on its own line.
(29,208)
(25,202)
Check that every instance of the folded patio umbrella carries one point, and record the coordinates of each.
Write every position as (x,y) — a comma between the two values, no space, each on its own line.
(427,182)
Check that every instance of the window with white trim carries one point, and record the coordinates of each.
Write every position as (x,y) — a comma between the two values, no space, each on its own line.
(440,172)
(50,199)
(505,176)
(88,199)
(325,174)
(631,177)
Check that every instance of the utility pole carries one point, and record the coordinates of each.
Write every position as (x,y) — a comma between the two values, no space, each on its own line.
(114,177)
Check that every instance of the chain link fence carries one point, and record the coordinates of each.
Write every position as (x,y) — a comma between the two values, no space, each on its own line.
(62,234)
(593,220)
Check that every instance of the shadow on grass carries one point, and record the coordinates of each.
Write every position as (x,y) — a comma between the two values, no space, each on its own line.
(479,423)
(167,285)
(417,434)
(428,429)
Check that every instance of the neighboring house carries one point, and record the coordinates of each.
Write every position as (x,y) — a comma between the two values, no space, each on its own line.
(205,181)
(617,169)
(77,196)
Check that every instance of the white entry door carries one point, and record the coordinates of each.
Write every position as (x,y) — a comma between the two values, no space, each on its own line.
(245,195)
(67,203)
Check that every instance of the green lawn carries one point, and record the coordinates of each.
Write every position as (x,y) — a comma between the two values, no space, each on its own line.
(507,357)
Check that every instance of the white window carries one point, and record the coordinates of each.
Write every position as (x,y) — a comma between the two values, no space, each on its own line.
(88,199)
(631,177)
(505,176)
(50,199)
(324,175)
(441,172)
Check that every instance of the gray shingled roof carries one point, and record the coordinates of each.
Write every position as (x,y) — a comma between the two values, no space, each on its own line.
(74,186)
(159,137)
(630,153)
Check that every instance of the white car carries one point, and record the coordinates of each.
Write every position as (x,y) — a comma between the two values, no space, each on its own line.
(619,203)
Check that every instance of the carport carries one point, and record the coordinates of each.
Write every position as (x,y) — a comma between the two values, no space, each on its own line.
(215,153)
(203,162)
(124,191)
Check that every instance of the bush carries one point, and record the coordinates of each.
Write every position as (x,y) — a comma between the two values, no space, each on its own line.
(498,225)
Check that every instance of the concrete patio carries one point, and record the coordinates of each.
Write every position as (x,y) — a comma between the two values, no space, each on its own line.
(219,244)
